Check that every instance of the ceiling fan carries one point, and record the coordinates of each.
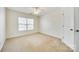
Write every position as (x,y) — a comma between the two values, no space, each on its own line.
(36,10)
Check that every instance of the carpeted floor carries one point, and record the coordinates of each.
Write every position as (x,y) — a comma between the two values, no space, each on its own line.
(35,43)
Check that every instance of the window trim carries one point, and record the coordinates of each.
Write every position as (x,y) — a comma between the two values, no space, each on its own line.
(26,24)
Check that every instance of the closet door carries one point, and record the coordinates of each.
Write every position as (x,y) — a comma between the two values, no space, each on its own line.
(69,36)
(68,17)
(69,26)
(77,29)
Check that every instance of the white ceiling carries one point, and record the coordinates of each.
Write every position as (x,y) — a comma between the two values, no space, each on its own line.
(29,10)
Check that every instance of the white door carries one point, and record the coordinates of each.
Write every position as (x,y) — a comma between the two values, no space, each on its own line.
(69,36)
(77,29)
(68,16)
(69,27)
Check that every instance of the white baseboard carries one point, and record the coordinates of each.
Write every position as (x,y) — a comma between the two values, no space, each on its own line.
(51,36)
(14,36)
(71,47)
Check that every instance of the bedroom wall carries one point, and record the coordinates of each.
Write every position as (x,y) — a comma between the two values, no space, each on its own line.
(52,22)
(2,26)
(12,23)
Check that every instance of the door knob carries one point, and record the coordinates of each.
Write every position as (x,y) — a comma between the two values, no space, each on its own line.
(71,29)
(77,30)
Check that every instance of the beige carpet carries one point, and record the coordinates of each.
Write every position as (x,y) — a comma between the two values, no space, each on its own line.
(35,43)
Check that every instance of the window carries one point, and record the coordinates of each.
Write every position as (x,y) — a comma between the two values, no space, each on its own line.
(30,23)
(25,24)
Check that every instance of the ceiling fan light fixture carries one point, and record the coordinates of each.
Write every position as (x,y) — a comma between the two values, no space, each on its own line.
(36,10)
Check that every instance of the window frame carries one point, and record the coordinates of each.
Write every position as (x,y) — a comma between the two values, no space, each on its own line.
(26,24)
